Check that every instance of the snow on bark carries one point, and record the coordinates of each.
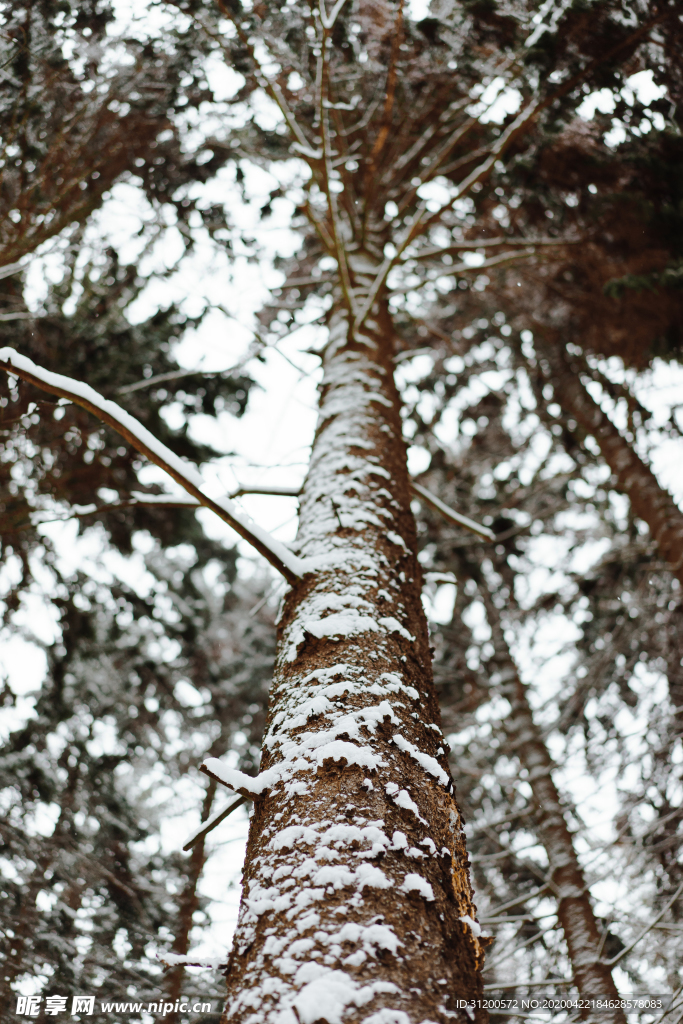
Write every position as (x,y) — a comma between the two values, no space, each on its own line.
(356,902)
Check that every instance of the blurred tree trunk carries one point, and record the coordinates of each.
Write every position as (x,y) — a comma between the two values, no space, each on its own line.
(649,500)
(592,978)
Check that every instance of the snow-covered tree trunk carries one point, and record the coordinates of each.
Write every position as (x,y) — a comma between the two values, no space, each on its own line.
(357,903)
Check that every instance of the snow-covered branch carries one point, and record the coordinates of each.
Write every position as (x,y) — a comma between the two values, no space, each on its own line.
(191,960)
(280,557)
(237,781)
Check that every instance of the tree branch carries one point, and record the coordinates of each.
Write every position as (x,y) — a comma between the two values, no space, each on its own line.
(521,123)
(123,423)
(451,514)
(271,88)
(660,915)
(490,243)
(212,823)
(179,501)
(465,268)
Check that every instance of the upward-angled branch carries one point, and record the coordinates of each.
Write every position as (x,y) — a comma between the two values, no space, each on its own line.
(272,89)
(280,557)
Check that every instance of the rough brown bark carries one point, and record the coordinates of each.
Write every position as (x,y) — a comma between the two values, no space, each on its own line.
(593,978)
(357,903)
(649,500)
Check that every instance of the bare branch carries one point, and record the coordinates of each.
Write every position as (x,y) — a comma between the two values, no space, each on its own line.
(280,557)
(208,826)
(11,268)
(271,88)
(451,514)
(465,268)
(161,378)
(180,501)
(660,915)
(490,243)
(522,122)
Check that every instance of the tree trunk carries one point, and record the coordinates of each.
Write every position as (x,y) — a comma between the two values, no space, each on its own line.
(649,500)
(593,979)
(357,903)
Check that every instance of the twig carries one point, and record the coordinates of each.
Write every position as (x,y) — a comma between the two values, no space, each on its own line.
(522,945)
(520,899)
(160,378)
(180,501)
(465,268)
(285,492)
(660,915)
(451,514)
(329,20)
(11,268)
(529,984)
(208,826)
(487,243)
(18,315)
(521,123)
(271,88)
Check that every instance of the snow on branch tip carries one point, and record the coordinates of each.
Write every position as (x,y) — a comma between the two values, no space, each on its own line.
(279,556)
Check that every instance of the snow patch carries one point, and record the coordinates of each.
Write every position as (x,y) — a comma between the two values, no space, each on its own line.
(430,764)
(474,925)
(387,1016)
(416,883)
(348,623)
(175,959)
(240,782)
(334,991)
(402,798)
(392,625)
